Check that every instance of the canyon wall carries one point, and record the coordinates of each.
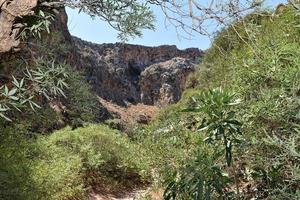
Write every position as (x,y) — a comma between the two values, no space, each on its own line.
(126,73)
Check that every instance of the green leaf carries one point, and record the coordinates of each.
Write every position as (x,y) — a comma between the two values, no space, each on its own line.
(6,90)
(14,98)
(5,117)
(12,92)
(42,13)
(21,83)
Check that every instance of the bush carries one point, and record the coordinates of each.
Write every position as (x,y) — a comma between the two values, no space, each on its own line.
(199,178)
(30,170)
(65,164)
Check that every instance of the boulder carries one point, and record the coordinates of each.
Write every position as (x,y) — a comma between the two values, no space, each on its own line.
(162,83)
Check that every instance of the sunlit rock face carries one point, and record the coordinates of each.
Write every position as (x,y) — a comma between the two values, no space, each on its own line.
(125,73)
(10,13)
(162,83)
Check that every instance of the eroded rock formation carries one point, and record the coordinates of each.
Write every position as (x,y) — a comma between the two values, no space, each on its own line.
(162,83)
(125,73)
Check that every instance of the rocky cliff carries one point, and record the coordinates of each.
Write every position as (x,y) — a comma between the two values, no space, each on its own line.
(125,73)
(119,73)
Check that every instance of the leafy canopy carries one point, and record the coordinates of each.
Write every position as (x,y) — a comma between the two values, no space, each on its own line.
(128,17)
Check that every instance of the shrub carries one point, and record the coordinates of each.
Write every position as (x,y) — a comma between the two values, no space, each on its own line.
(65,164)
(200,178)
(219,118)
(30,170)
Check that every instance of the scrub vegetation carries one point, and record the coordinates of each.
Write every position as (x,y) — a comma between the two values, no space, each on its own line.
(235,134)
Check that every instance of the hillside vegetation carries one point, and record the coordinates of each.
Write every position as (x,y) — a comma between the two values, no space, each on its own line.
(235,134)
(69,164)
(256,63)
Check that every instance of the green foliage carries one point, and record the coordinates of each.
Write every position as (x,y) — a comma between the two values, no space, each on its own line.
(258,59)
(36,25)
(15,97)
(200,178)
(261,64)
(127,17)
(283,175)
(64,164)
(54,46)
(170,142)
(47,79)
(31,170)
(82,105)
(220,119)
(27,120)
(187,165)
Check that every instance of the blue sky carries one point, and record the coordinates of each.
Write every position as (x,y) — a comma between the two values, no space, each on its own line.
(97,31)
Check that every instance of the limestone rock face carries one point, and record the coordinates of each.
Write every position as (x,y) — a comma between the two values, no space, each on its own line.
(162,83)
(125,73)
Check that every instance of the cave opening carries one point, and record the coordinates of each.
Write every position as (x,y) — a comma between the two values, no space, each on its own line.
(133,69)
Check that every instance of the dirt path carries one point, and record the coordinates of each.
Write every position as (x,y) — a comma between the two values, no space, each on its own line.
(140,194)
(131,114)
(134,195)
